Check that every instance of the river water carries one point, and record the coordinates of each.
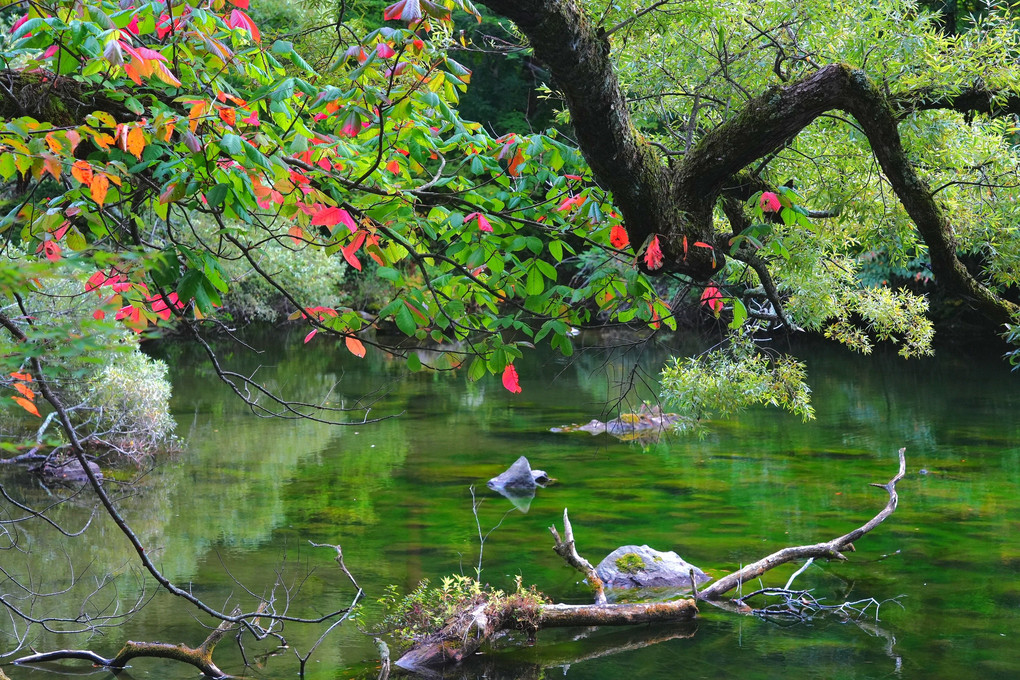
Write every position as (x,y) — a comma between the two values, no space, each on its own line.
(244,500)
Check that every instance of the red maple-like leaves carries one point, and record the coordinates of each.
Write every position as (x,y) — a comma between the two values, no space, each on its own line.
(510,379)
(653,254)
(713,299)
(618,237)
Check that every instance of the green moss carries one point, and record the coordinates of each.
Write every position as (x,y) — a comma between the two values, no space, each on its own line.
(631,563)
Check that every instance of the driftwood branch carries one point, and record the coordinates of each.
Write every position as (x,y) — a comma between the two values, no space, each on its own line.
(468,629)
(565,548)
(830,549)
(200,657)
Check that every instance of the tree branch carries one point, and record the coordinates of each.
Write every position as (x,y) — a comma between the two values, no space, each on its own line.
(830,549)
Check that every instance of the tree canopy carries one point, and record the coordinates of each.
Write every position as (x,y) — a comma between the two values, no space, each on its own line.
(777,165)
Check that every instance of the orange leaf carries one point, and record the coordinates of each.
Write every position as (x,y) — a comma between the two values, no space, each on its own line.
(98,188)
(131,68)
(27,405)
(355,346)
(53,143)
(196,110)
(25,391)
(103,140)
(164,73)
(227,115)
(27,377)
(297,233)
(136,142)
(82,171)
(515,164)
(52,166)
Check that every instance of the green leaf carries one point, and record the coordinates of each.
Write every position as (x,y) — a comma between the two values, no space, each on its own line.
(216,195)
(231,144)
(413,362)
(405,320)
(739,314)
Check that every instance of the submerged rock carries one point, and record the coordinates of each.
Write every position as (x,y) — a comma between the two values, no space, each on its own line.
(633,566)
(518,483)
(69,472)
(519,476)
(646,422)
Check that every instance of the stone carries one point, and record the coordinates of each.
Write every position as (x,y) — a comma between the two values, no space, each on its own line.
(518,483)
(519,476)
(633,566)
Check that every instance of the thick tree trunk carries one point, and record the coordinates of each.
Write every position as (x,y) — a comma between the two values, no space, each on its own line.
(676,199)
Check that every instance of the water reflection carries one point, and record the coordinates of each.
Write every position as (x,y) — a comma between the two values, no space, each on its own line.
(245,498)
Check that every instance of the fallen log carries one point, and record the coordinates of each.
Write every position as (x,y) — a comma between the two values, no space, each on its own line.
(461,637)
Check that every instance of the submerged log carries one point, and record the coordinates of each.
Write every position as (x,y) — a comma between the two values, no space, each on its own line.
(462,636)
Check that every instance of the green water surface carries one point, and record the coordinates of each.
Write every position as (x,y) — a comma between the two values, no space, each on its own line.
(242,502)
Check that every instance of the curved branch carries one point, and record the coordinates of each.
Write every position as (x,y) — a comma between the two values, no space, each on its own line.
(830,549)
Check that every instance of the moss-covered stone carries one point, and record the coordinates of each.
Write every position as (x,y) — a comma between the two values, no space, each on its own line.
(631,563)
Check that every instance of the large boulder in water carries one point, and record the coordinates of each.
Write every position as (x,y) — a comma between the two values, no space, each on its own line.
(633,566)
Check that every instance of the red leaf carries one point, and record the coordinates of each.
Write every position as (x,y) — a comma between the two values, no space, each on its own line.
(653,254)
(483,223)
(243,4)
(332,216)
(311,335)
(712,298)
(769,202)
(510,379)
(297,234)
(568,203)
(384,51)
(239,19)
(355,346)
(405,10)
(349,251)
(618,237)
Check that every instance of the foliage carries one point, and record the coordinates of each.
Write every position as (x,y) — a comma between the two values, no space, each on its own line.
(125,126)
(424,611)
(726,380)
(128,403)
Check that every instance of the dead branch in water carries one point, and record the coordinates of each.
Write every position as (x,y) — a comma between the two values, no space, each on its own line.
(830,549)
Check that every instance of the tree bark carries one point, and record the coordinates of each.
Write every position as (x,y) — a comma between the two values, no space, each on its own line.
(463,635)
